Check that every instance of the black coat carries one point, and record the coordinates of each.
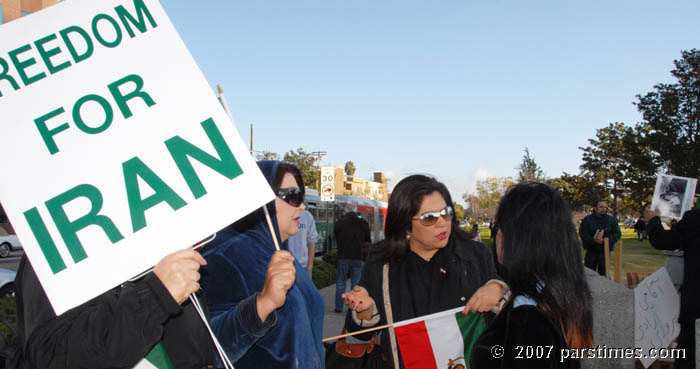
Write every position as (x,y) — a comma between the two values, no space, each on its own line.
(419,288)
(351,233)
(684,235)
(530,339)
(591,223)
(114,330)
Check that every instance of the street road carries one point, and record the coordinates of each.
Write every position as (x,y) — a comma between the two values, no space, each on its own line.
(11,262)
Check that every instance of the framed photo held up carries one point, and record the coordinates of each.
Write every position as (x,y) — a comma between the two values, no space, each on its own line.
(673,195)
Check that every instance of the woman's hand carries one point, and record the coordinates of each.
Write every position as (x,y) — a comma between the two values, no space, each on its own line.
(280,277)
(179,273)
(484,299)
(358,299)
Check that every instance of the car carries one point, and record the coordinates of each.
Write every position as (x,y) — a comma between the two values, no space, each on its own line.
(9,243)
(7,282)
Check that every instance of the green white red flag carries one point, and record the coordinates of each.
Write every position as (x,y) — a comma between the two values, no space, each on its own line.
(156,359)
(438,341)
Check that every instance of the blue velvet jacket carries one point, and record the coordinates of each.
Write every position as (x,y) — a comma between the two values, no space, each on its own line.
(237,262)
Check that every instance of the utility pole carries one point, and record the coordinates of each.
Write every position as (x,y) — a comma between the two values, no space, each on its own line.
(319,156)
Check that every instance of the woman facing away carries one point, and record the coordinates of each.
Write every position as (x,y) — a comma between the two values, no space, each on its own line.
(550,308)
(433,264)
(264,308)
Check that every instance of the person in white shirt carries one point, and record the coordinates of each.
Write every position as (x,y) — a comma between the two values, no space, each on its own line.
(303,244)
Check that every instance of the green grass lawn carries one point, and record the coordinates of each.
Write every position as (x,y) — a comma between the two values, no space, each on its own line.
(638,257)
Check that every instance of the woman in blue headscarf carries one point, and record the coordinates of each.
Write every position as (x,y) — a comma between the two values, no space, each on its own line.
(264,308)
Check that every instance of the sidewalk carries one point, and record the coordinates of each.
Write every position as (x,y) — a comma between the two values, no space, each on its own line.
(332,322)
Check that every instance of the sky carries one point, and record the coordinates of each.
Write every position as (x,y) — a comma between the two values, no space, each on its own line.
(455,89)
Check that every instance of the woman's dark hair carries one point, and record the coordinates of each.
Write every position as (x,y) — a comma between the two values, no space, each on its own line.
(404,203)
(283,169)
(541,247)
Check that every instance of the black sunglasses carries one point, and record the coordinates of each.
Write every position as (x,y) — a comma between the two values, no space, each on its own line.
(430,218)
(292,196)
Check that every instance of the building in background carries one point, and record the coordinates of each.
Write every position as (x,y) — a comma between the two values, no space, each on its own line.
(360,187)
(13,9)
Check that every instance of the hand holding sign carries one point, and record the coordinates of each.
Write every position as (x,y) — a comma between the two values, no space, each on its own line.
(280,277)
(179,273)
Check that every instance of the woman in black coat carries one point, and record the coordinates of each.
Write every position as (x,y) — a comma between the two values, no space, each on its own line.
(433,264)
(548,321)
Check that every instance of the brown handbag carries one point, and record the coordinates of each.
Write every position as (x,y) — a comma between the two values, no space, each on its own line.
(344,355)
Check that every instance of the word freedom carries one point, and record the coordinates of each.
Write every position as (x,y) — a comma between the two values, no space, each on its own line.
(79,43)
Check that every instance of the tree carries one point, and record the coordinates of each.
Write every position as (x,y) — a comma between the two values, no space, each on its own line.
(306,163)
(580,191)
(672,117)
(459,211)
(488,194)
(267,155)
(644,165)
(350,168)
(529,170)
(605,160)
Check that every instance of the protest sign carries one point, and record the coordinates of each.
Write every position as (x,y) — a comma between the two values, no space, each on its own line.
(656,308)
(117,150)
(673,195)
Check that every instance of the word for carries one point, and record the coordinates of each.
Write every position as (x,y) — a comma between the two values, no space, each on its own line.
(121,98)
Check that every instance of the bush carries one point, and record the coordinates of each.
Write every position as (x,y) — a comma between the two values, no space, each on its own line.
(331,257)
(324,273)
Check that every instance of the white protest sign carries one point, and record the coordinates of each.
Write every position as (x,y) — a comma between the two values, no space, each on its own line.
(117,150)
(656,308)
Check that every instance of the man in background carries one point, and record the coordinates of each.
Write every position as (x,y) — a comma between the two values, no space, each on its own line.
(303,244)
(351,232)
(641,229)
(593,230)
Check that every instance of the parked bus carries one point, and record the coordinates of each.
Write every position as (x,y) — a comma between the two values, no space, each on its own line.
(326,213)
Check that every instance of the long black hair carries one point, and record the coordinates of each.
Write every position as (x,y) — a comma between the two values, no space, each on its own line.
(404,203)
(541,247)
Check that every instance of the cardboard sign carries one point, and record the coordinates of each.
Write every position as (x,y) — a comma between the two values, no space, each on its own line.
(656,309)
(673,195)
(117,150)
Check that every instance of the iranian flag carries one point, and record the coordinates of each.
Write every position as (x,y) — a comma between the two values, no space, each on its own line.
(156,359)
(440,340)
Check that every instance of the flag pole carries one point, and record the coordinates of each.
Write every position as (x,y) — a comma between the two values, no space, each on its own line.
(224,103)
(272,229)
(358,332)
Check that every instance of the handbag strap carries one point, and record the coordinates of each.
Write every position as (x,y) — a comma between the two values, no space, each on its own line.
(389,315)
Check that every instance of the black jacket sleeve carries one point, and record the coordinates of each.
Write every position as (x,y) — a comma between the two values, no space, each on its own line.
(688,228)
(114,330)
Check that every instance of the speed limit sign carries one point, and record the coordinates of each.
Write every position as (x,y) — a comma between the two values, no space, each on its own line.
(327,184)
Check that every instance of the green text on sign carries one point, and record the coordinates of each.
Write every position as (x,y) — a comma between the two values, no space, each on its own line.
(133,169)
